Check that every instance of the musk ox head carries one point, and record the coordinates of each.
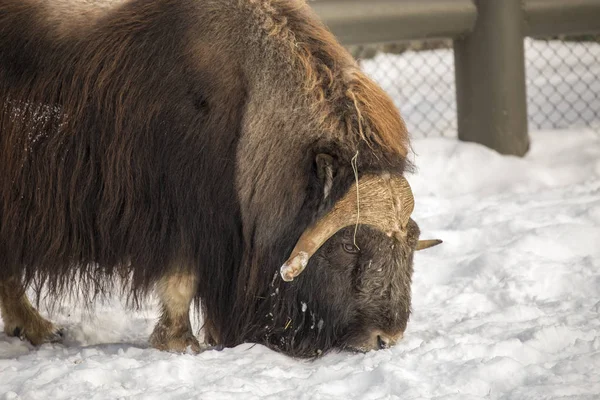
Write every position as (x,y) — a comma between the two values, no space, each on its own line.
(362,277)
(355,293)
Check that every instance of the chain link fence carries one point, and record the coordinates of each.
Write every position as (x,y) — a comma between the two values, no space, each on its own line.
(563,82)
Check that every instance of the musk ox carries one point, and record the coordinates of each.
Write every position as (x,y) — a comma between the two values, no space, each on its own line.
(192,147)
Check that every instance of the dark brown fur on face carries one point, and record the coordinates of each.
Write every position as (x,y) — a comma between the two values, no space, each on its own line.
(346,298)
(166,138)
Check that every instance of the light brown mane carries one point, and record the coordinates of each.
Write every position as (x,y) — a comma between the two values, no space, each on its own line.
(331,77)
(69,16)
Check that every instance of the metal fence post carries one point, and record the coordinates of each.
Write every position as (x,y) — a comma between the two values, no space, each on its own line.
(490,79)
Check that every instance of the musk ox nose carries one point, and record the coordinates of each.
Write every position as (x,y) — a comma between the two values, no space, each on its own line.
(380,340)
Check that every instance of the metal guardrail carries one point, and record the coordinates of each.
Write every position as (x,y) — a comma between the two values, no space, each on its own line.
(380,21)
(551,17)
(488,50)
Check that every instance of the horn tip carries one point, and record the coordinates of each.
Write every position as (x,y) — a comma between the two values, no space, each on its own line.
(426,244)
(294,266)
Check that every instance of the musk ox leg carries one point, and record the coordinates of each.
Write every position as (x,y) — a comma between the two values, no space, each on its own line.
(173,332)
(21,319)
(209,333)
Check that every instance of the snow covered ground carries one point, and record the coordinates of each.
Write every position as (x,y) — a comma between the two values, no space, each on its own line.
(507,308)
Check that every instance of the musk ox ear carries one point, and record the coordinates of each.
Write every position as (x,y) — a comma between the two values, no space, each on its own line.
(325,165)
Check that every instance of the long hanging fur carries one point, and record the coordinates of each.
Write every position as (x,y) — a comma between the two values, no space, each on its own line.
(143,136)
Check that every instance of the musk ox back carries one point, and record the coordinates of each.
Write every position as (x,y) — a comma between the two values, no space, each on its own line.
(193,146)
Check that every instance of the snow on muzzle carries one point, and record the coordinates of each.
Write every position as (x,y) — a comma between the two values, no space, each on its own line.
(382,201)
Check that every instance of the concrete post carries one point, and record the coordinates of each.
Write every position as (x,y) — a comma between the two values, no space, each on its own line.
(490,79)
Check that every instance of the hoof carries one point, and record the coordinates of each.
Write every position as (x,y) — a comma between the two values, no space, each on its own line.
(182,343)
(56,336)
(44,332)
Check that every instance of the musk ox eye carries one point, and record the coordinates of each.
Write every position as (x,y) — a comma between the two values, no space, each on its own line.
(350,248)
(325,172)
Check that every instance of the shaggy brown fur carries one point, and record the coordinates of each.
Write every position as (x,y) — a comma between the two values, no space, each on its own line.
(156,136)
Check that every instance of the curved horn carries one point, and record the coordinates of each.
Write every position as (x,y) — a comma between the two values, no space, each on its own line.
(383,201)
(425,244)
